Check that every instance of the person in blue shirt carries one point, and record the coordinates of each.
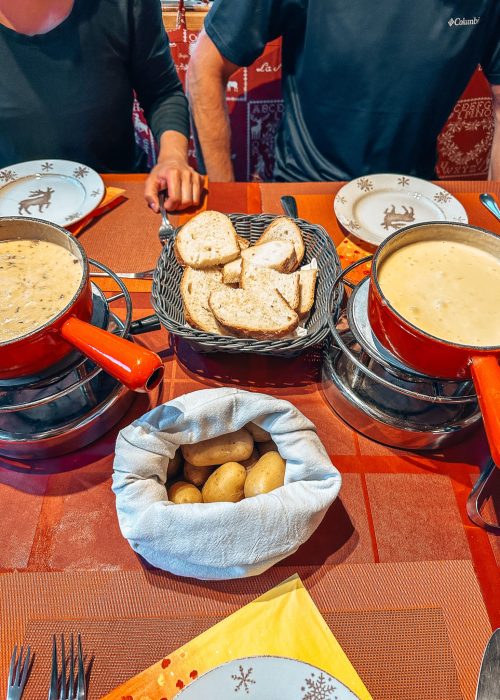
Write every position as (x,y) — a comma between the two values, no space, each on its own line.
(367,87)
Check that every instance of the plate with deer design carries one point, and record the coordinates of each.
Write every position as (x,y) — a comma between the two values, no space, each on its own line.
(374,206)
(266,678)
(60,191)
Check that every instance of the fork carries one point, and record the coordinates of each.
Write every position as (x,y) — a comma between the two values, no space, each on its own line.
(144,275)
(166,229)
(67,688)
(18,672)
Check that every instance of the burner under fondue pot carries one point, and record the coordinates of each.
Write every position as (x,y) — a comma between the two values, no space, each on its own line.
(382,398)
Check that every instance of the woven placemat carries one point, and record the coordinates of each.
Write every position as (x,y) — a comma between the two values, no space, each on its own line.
(449,588)
(393,663)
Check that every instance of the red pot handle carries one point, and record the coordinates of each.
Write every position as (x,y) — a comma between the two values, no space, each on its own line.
(138,368)
(485,372)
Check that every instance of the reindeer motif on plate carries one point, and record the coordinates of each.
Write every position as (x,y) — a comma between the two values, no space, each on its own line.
(397,219)
(37,198)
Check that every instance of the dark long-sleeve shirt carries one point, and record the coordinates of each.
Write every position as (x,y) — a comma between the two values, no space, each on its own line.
(69,93)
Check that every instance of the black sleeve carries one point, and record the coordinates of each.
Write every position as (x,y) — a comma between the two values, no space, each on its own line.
(490,62)
(154,76)
(241,28)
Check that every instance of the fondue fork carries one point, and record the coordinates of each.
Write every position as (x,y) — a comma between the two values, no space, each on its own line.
(75,690)
(18,672)
(144,275)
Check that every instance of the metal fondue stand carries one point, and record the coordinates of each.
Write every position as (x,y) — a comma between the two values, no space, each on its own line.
(70,404)
(383,399)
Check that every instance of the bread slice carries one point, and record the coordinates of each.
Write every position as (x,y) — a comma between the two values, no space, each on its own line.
(231,272)
(307,281)
(261,278)
(195,288)
(278,255)
(250,314)
(284,229)
(207,240)
(243,242)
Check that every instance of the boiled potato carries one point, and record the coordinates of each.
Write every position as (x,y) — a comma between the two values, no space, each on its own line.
(258,434)
(219,450)
(225,484)
(182,492)
(254,457)
(196,475)
(268,474)
(174,465)
(264,447)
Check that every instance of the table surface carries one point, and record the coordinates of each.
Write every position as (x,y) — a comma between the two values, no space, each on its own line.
(394,508)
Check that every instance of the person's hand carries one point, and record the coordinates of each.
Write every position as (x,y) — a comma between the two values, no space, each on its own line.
(183,185)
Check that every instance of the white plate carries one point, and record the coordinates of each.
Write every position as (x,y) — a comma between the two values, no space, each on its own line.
(374,206)
(266,678)
(59,191)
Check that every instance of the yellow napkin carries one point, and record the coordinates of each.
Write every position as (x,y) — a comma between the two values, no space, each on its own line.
(112,197)
(282,622)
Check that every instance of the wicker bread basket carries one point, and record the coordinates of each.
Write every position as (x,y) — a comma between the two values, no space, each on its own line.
(167,301)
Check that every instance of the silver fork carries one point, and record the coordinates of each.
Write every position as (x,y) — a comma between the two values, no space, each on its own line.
(18,672)
(144,275)
(68,690)
(166,229)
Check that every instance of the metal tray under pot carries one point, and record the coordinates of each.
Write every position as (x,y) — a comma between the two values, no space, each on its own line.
(384,400)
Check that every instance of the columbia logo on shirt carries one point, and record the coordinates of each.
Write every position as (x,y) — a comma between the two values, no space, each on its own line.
(462,21)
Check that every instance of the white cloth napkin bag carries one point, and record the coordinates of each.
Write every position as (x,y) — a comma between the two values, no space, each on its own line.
(220,540)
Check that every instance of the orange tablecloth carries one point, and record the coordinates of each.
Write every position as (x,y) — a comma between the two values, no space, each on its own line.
(396,509)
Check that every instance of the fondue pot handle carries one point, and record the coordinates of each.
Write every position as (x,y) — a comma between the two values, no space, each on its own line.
(485,372)
(138,368)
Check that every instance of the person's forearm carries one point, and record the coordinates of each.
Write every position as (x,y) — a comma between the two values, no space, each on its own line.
(173,147)
(207,97)
(494,170)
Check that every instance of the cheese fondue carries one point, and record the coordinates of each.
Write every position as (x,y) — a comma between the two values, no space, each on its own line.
(37,280)
(446,288)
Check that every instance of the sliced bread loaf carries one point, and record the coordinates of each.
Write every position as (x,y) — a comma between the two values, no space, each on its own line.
(206,240)
(284,229)
(266,279)
(231,272)
(196,286)
(278,255)
(249,314)
(307,281)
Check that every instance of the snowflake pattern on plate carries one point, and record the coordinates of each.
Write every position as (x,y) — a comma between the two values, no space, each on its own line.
(47,166)
(318,688)
(95,193)
(341,200)
(403,181)
(244,680)
(442,197)
(364,184)
(8,175)
(81,171)
(353,224)
(460,219)
(72,217)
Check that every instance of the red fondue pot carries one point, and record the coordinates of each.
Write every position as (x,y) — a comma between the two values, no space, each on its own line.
(427,353)
(135,366)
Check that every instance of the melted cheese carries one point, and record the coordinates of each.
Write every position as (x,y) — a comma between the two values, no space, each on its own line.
(37,280)
(448,289)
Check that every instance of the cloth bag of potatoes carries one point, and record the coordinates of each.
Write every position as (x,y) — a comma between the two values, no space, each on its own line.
(220,540)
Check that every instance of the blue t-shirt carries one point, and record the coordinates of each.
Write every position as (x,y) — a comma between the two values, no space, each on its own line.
(367,86)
